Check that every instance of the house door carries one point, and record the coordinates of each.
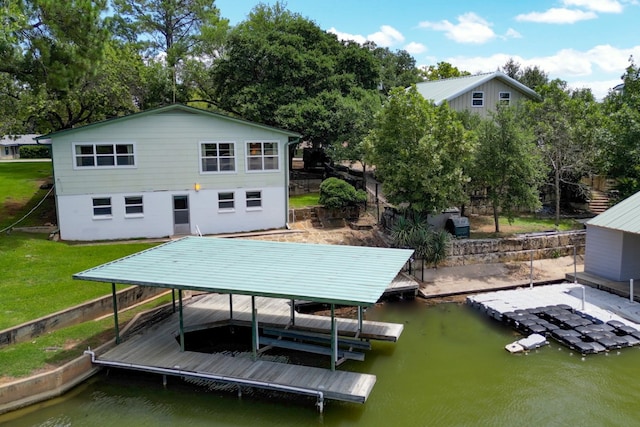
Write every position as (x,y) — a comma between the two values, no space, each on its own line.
(181,215)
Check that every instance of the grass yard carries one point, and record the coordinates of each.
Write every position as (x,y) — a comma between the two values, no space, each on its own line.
(304,200)
(482,227)
(20,190)
(35,274)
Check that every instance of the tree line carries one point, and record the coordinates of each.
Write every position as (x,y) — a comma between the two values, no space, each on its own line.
(65,64)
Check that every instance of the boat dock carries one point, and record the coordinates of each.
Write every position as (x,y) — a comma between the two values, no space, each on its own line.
(585,319)
(157,349)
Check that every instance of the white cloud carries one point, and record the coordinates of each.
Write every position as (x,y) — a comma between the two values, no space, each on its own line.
(471,28)
(512,34)
(604,6)
(415,48)
(386,37)
(557,16)
(346,36)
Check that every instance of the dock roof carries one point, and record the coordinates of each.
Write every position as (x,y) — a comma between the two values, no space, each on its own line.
(623,216)
(349,275)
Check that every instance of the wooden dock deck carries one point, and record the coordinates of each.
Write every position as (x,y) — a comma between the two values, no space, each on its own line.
(157,350)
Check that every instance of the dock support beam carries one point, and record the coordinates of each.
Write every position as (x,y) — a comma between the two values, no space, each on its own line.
(181,320)
(230,306)
(293,312)
(254,329)
(360,318)
(334,338)
(173,299)
(115,312)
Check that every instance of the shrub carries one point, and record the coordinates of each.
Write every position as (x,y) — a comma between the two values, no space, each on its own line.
(336,194)
(35,152)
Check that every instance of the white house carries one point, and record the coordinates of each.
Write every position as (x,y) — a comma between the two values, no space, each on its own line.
(613,242)
(480,93)
(167,171)
(10,145)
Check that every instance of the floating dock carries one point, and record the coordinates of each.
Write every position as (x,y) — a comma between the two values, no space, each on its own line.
(585,319)
(157,350)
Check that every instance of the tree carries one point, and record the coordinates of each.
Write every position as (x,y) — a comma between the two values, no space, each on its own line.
(337,194)
(418,150)
(508,163)
(621,153)
(567,126)
(49,53)
(177,30)
(532,77)
(397,69)
(281,69)
(443,70)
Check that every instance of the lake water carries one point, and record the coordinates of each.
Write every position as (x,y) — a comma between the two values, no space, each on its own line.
(449,368)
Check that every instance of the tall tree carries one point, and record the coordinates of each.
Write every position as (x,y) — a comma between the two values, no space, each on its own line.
(621,153)
(442,70)
(51,56)
(175,30)
(397,69)
(281,69)
(532,77)
(508,164)
(418,150)
(566,125)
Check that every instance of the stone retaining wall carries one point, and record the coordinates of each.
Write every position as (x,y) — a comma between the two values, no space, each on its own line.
(477,251)
(77,314)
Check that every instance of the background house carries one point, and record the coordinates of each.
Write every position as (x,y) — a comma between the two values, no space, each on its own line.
(613,242)
(10,145)
(171,170)
(479,93)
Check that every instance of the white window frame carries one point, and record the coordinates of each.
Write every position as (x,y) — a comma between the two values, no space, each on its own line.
(217,156)
(504,100)
(95,155)
(261,156)
(479,98)
(128,203)
(97,207)
(251,199)
(223,202)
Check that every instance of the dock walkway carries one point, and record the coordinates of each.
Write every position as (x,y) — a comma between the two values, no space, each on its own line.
(157,350)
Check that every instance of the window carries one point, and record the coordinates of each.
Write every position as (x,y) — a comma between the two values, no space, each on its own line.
(477,99)
(217,157)
(226,201)
(262,156)
(104,155)
(505,98)
(254,199)
(102,206)
(133,205)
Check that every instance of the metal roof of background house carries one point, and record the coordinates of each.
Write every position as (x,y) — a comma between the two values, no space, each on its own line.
(625,216)
(448,89)
(27,139)
(350,275)
(164,109)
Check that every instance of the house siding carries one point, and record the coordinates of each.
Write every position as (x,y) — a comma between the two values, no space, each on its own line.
(630,267)
(167,157)
(603,252)
(491,91)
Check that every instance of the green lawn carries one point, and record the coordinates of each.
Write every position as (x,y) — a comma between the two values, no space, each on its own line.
(35,274)
(483,227)
(304,200)
(20,189)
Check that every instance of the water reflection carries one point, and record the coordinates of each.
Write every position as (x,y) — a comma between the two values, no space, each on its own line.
(449,368)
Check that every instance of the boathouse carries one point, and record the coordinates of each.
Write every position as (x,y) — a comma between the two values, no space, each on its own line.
(613,242)
(255,283)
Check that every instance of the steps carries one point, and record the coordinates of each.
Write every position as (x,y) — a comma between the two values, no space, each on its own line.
(599,202)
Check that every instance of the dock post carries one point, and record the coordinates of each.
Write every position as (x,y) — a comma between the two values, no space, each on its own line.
(531,272)
(164,381)
(334,339)
(360,316)
(181,320)
(631,290)
(173,299)
(254,329)
(293,312)
(584,296)
(575,268)
(115,312)
(230,306)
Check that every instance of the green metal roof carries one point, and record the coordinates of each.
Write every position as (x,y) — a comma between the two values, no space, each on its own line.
(352,275)
(448,89)
(164,109)
(624,216)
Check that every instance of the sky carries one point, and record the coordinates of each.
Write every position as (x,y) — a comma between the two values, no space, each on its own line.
(587,43)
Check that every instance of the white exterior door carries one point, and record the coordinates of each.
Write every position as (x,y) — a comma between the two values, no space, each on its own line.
(181,214)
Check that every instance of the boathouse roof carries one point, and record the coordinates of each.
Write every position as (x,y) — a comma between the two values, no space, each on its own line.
(349,275)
